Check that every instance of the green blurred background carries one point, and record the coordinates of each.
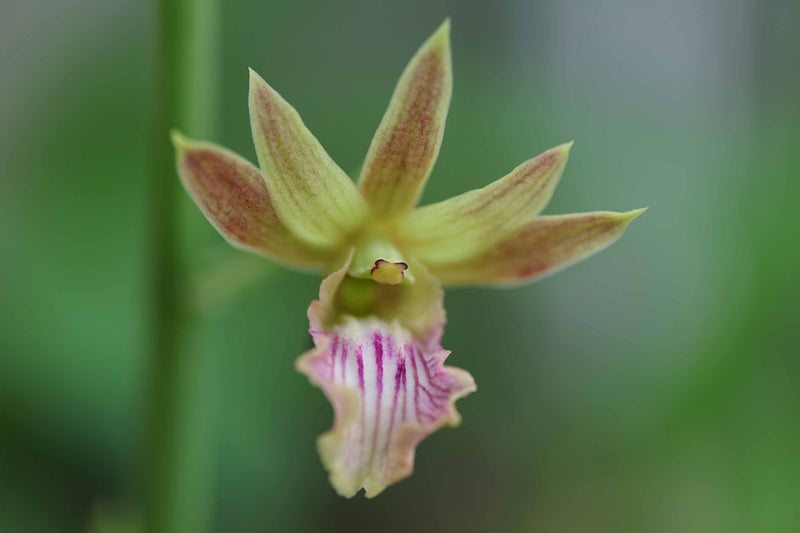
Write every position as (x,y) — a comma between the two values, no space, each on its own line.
(652,388)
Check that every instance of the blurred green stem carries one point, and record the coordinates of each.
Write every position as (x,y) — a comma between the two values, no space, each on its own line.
(185,97)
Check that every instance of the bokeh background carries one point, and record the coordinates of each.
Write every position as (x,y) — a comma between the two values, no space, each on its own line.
(651,388)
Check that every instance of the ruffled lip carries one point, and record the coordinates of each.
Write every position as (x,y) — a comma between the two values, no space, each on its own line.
(389,391)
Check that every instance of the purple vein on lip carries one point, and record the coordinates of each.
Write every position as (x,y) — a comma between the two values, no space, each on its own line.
(377,346)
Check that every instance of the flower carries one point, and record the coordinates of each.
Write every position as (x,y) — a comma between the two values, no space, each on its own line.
(379,319)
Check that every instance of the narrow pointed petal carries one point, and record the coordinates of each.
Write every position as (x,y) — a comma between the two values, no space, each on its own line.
(316,200)
(543,246)
(233,196)
(407,141)
(467,224)
(388,387)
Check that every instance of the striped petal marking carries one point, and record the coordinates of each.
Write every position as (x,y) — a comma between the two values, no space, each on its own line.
(389,391)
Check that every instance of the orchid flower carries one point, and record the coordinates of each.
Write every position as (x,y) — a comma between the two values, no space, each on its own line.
(379,319)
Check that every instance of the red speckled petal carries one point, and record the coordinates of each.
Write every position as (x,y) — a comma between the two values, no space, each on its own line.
(315,199)
(462,226)
(407,141)
(231,193)
(543,246)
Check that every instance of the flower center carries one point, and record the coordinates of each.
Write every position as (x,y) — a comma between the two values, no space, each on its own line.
(377,259)
(388,272)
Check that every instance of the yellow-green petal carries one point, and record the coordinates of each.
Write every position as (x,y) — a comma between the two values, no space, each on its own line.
(465,225)
(233,196)
(316,200)
(545,245)
(407,141)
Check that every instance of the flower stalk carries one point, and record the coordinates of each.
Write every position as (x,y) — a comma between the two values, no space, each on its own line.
(185,79)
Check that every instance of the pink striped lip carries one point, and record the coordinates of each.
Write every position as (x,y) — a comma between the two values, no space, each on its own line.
(403,393)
